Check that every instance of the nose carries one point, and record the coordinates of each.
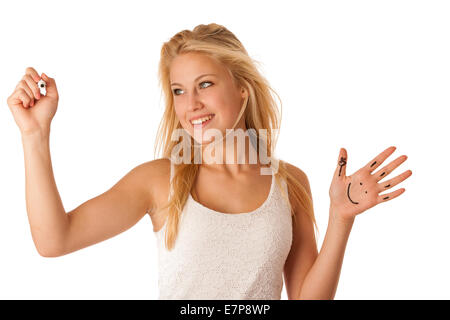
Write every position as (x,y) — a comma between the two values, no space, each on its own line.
(194,102)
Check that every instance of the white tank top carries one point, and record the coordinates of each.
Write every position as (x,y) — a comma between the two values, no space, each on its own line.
(227,256)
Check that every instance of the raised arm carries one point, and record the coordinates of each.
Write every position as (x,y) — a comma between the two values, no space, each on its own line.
(317,278)
(110,213)
(54,231)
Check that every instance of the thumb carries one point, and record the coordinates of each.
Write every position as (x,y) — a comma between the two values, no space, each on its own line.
(341,164)
(50,85)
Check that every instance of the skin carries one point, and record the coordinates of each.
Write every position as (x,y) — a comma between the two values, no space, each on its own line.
(217,94)
(315,276)
(141,191)
(355,194)
(308,274)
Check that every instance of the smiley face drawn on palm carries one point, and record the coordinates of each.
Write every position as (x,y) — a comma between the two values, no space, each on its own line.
(351,195)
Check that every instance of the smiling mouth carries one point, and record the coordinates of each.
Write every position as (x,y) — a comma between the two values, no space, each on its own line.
(201,124)
(348,194)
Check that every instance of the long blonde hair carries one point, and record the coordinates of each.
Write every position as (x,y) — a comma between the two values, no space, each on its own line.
(262,112)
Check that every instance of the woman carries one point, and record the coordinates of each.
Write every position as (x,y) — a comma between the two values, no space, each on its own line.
(227,227)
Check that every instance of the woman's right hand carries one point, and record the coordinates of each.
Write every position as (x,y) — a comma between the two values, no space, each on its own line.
(32,111)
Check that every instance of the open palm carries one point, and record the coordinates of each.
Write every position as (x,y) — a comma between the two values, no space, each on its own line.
(352,195)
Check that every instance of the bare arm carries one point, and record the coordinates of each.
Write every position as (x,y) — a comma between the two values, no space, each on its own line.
(322,280)
(56,233)
(346,203)
(303,251)
(113,211)
(46,214)
(311,275)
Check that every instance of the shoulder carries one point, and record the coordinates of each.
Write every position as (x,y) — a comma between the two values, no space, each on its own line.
(158,167)
(155,176)
(151,171)
(299,175)
(303,251)
(302,178)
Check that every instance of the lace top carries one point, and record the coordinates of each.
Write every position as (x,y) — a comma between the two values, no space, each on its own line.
(227,256)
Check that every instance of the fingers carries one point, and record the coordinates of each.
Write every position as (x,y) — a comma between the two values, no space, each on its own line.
(33,73)
(30,87)
(383,172)
(390,196)
(394,181)
(33,86)
(27,89)
(23,97)
(378,160)
(341,164)
(23,85)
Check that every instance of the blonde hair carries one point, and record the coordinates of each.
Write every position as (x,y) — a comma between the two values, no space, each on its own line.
(262,112)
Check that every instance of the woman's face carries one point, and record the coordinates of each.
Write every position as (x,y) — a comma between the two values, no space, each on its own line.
(200,87)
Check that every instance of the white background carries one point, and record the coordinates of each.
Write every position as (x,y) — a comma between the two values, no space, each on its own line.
(363,75)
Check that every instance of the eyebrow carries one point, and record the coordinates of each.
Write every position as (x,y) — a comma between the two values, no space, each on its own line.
(206,74)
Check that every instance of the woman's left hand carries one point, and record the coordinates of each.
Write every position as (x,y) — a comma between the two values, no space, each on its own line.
(352,195)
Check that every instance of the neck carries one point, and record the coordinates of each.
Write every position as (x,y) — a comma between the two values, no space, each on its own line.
(232,153)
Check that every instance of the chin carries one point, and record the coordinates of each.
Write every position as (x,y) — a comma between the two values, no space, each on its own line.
(205,141)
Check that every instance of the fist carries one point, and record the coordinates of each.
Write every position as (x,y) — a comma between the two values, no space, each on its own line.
(32,111)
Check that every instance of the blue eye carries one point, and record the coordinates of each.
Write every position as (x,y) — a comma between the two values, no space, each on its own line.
(205,82)
(175,90)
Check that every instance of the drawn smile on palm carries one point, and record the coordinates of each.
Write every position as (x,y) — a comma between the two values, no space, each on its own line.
(342,163)
(348,192)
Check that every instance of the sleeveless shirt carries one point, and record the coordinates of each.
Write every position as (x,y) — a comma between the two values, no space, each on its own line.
(235,256)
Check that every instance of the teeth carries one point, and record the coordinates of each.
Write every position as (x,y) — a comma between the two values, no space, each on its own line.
(201,120)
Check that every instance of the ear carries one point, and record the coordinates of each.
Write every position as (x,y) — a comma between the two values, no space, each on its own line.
(244,93)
